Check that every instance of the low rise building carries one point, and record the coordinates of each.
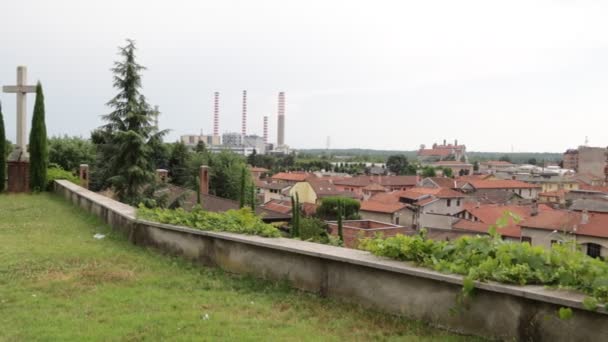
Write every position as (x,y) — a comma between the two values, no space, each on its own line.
(587,230)
(523,189)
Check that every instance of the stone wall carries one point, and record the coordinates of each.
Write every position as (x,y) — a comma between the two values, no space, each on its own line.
(496,310)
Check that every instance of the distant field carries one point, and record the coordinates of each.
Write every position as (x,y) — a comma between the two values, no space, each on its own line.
(381,155)
(59,283)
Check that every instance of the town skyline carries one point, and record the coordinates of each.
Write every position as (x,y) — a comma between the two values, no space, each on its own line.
(372,78)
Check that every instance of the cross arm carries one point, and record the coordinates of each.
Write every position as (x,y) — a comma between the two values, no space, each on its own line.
(19,89)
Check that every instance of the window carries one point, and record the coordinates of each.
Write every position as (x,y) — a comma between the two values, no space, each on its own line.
(526,239)
(458,202)
(529,192)
(594,250)
(449,202)
(397,220)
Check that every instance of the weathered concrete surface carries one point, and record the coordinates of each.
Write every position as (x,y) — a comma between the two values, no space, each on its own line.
(496,310)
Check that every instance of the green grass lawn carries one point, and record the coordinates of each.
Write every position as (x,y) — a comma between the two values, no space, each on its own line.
(59,283)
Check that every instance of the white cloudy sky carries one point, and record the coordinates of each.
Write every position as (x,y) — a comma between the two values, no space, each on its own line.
(497,75)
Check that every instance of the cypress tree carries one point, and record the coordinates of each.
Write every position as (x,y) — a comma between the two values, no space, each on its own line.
(39,154)
(243,186)
(340,224)
(2,152)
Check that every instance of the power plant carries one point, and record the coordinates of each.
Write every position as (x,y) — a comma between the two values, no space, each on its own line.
(242,143)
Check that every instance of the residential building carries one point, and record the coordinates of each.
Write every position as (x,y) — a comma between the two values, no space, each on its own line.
(587,160)
(557,197)
(258,172)
(435,207)
(587,230)
(290,177)
(523,189)
(391,183)
(393,212)
(313,190)
(273,191)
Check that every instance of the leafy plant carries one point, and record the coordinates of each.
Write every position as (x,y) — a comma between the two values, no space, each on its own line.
(242,221)
(564,313)
(55,173)
(484,258)
(328,209)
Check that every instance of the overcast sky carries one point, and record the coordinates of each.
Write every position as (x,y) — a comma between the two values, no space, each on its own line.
(496,75)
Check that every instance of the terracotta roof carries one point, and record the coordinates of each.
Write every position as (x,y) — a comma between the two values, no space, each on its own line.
(291,176)
(444,182)
(258,169)
(501,184)
(562,220)
(557,193)
(380,207)
(493,196)
(363,181)
(325,188)
(593,188)
(273,186)
(374,187)
(489,214)
(283,207)
(418,192)
(435,152)
(385,197)
(451,163)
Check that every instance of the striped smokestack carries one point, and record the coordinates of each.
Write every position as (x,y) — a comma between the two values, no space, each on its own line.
(281,120)
(244,120)
(216,114)
(265,129)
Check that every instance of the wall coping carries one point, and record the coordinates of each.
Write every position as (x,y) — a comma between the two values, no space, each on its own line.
(560,297)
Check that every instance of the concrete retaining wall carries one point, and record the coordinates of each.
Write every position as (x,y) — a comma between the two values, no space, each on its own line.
(496,310)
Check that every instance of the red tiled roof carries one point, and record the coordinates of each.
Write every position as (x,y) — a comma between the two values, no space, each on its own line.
(557,193)
(593,188)
(283,207)
(385,197)
(562,220)
(501,184)
(418,192)
(291,176)
(374,187)
(363,181)
(435,152)
(380,207)
(451,163)
(489,214)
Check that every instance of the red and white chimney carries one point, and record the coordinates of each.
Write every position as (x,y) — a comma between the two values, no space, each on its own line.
(265,129)
(281,120)
(216,114)
(244,119)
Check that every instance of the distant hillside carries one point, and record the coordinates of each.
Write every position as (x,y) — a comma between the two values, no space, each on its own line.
(381,155)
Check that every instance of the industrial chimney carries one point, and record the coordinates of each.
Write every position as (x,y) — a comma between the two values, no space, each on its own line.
(281,120)
(216,114)
(265,129)
(244,121)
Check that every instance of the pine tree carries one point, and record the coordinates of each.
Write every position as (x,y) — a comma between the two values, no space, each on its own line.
(2,152)
(178,164)
(124,142)
(39,154)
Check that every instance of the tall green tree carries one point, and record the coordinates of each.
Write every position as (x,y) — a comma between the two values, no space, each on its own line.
(178,164)
(226,174)
(2,152)
(38,149)
(397,164)
(124,142)
(70,152)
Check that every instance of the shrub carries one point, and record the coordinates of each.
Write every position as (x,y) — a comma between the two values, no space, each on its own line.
(485,258)
(328,209)
(54,173)
(242,221)
(313,229)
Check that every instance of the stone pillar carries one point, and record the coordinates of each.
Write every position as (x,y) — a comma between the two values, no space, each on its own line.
(204,180)
(18,176)
(162,175)
(84,175)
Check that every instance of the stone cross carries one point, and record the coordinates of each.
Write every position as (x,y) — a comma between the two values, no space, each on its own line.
(21,89)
